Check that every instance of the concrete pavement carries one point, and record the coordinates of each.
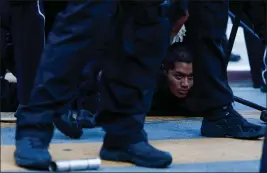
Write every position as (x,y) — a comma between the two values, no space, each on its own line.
(178,135)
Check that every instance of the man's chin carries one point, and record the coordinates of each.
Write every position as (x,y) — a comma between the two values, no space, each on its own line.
(181,95)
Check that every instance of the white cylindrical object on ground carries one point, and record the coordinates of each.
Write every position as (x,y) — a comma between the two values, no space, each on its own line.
(75,165)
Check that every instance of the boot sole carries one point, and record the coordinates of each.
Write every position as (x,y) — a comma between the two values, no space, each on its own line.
(32,164)
(119,156)
(244,135)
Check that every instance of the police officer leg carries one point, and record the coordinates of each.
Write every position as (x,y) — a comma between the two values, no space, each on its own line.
(3,49)
(209,62)
(211,94)
(88,98)
(27,28)
(66,123)
(127,85)
(255,50)
(79,33)
(264,72)
(263,164)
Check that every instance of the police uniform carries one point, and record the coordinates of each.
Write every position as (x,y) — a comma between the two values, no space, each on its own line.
(255,48)
(212,22)
(26,21)
(264,72)
(51,8)
(83,31)
(88,90)
(263,164)
(211,95)
(256,12)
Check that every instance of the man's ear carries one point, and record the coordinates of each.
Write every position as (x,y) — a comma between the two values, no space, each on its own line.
(165,71)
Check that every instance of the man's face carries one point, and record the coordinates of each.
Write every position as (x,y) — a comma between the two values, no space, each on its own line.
(180,79)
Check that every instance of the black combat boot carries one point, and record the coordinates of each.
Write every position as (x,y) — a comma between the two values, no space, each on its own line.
(227,122)
(140,153)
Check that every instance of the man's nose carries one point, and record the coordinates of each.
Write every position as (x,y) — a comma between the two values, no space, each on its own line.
(185,82)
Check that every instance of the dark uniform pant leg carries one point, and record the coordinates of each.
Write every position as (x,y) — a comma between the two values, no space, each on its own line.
(255,49)
(206,29)
(264,72)
(3,48)
(128,81)
(4,14)
(79,34)
(51,9)
(211,88)
(27,29)
(4,28)
(88,90)
(263,166)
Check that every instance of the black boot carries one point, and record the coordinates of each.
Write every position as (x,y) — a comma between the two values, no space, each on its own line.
(32,153)
(139,153)
(32,142)
(227,122)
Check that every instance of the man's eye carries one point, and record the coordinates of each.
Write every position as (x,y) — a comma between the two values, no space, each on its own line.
(190,77)
(178,77)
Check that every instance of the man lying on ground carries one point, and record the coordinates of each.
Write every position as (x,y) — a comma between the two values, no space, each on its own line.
(175,80)
(171,95)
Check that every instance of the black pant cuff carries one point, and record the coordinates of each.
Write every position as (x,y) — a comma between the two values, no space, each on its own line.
(115,141)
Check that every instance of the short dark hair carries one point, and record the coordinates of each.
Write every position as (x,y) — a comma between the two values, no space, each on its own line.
(177,52)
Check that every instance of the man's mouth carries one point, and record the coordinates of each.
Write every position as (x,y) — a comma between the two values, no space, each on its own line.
(183,92)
